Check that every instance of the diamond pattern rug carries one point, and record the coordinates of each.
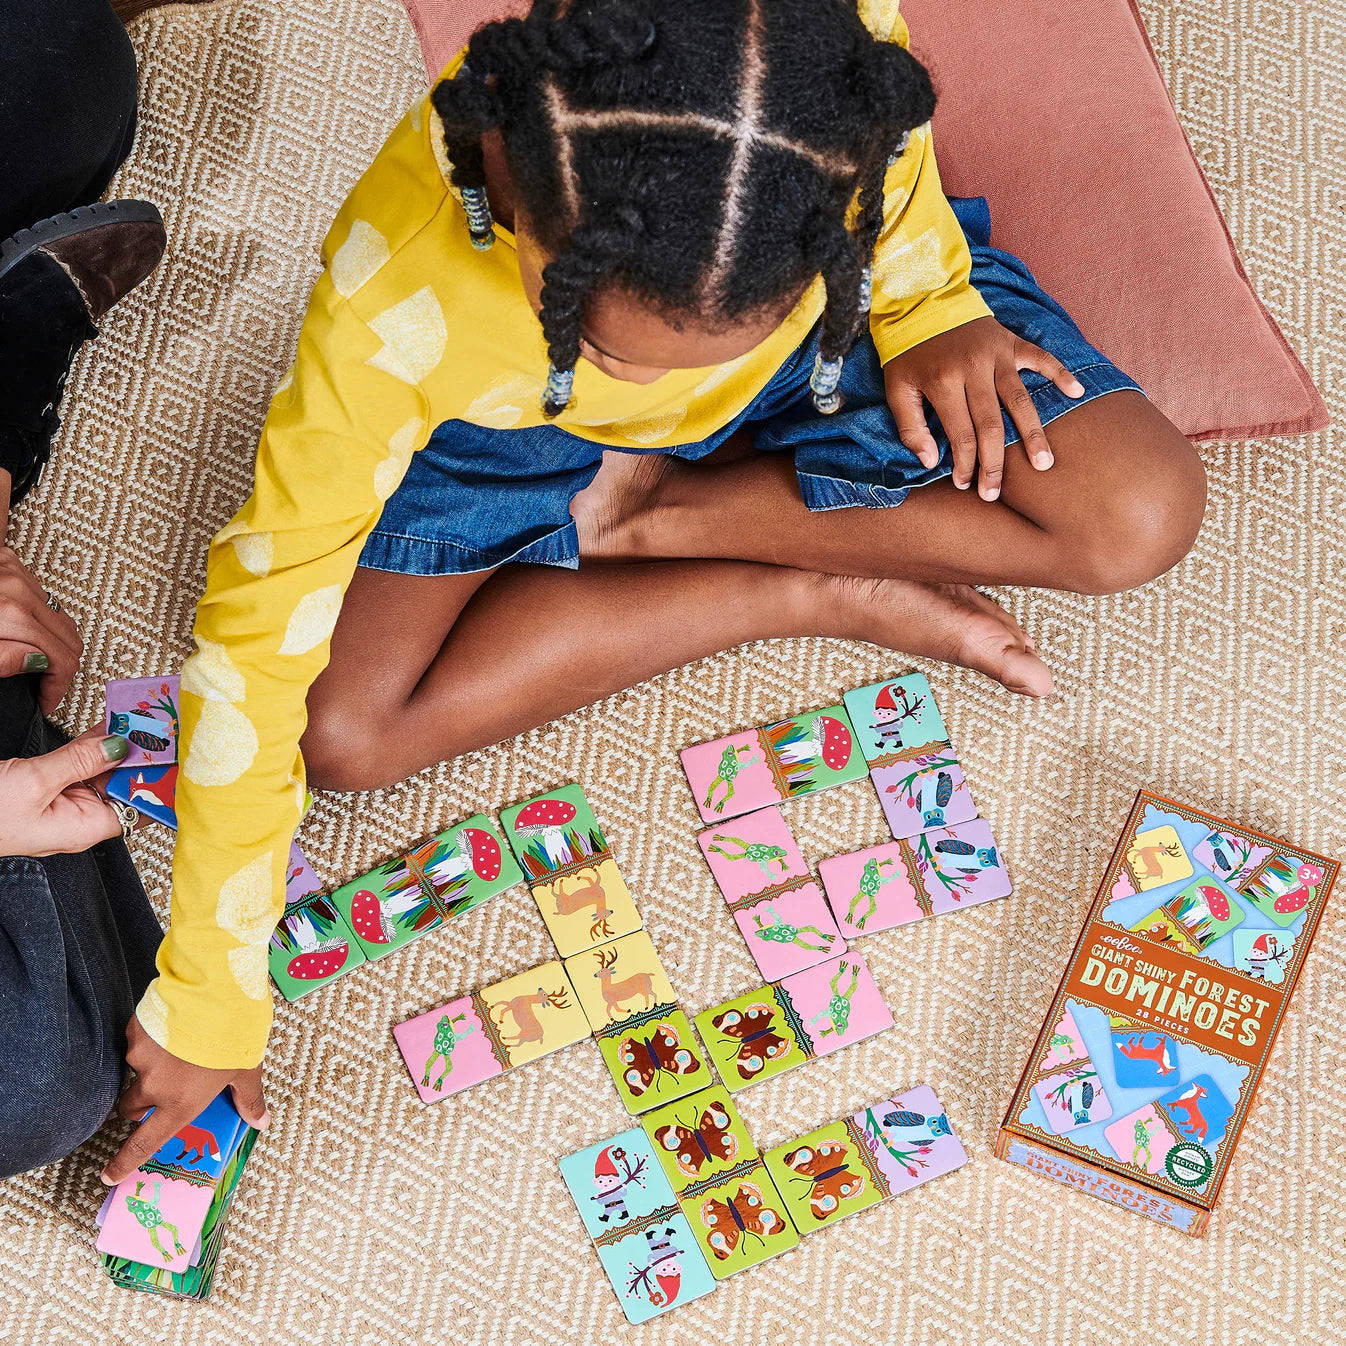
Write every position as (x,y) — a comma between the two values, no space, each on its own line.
(368,1217)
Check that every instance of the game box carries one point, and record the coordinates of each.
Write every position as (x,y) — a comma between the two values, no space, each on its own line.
(1150,1056)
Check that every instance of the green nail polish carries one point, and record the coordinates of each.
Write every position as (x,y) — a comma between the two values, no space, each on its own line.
(115,747)
(36,662)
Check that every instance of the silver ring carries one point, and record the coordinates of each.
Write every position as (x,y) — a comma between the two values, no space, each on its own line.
(127,816)
(54,603)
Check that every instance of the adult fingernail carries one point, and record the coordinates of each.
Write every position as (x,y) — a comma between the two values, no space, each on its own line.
(105,1180)
(1076,388)
(114,747)
(1042,460)
(37,662)
(264,1121)
(962,485)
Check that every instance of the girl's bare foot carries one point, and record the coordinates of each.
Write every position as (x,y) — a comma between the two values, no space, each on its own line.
(950,622)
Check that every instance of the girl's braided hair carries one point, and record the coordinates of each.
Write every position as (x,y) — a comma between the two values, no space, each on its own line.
(710,157)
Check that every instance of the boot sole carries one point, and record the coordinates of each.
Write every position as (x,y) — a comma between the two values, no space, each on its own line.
(27,241)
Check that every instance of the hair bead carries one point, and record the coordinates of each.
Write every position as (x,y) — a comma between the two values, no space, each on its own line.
(477,208)
(823,384)
(866,288)
(899,148)
(556,395)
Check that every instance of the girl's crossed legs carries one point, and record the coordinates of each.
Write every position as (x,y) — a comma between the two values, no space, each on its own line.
(687,560)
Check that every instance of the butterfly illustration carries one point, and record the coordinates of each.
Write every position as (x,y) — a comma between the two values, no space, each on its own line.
(648,1059)
(758,1041)
(707,1141)
(824,1170)
(935,796)
(939,1126)
(744,1213)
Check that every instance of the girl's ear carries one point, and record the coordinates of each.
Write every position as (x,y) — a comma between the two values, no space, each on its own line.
(895,85)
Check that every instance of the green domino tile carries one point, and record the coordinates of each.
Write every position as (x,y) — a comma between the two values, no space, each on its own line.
(699,1138)
(740,1222)
(386,909)
(826,1175)
(655,1060)
(815,751)
(752,1037)
(464,866)
(553,832)
(311,946)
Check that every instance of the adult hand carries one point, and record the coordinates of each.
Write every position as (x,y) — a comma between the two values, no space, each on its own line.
(178,1092)
(966,374)
(45,806)
(35,638)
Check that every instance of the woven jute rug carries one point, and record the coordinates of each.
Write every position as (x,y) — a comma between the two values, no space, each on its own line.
(367,1217)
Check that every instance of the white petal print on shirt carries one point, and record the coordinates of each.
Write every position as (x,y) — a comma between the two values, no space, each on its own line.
(718,375)
(212,675)
(255,551)
(358,258)
(405,440)
(906,268)
(245,907)
(501,406)
(153,1014)
(222,747)
(314,619)
(283,395)
(248,966)
(650,429)
(414,337)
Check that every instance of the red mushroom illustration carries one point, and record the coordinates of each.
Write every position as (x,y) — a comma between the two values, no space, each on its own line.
(316,958)
(1309,876)
(547,820)
(1215,900)
(369,920)
(833,740)
(482,852)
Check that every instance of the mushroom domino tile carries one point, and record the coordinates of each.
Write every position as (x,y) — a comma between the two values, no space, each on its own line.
(554,833)
(743,772)
(312,944)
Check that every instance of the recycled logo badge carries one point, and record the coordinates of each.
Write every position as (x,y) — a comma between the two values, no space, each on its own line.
(1188,1164)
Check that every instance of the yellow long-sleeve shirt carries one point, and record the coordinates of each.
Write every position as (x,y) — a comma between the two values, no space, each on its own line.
(407,327)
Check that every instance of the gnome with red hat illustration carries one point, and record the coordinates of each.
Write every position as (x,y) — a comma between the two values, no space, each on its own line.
(660,1279)
(890,711)
(611,1182)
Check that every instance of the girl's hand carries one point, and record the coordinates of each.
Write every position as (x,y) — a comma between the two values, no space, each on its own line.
(35,638)
(179,1093)
(966,375)
(45,807)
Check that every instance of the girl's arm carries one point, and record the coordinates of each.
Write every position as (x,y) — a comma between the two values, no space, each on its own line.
(340,432)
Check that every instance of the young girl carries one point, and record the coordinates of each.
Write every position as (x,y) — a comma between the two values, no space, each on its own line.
(677,229)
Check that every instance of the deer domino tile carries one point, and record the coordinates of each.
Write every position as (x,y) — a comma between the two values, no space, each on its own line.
(584,907)
(532,1014)
(620,981)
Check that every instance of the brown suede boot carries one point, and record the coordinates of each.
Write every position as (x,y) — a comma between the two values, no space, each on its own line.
(126,10)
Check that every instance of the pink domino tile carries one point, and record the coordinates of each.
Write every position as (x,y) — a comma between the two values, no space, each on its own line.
(838,1003)
(927,792)
(1142,1138)
(730,776)
(788,932)
(446,1049)
(873,889)
(155,1219)
(750,854)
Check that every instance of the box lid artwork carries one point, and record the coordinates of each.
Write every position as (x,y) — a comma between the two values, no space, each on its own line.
(1151,1052)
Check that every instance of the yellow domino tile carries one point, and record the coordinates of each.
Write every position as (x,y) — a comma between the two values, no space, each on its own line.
(586,906)
(535,1013)
(620,980)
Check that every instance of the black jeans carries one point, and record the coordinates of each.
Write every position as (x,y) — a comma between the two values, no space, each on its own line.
(67,106)
(77,934)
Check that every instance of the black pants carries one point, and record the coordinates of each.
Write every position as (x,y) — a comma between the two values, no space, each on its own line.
(67,106)
(77,934)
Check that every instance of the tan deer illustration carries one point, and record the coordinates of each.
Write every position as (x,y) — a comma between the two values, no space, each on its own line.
(1146,862)
(615,992)
(590,893)
(523,1009)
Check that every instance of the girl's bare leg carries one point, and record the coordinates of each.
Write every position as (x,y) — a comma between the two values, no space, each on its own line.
(426,668)
(1122,504)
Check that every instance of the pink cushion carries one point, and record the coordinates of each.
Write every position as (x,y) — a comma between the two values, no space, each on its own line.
(1065,124)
